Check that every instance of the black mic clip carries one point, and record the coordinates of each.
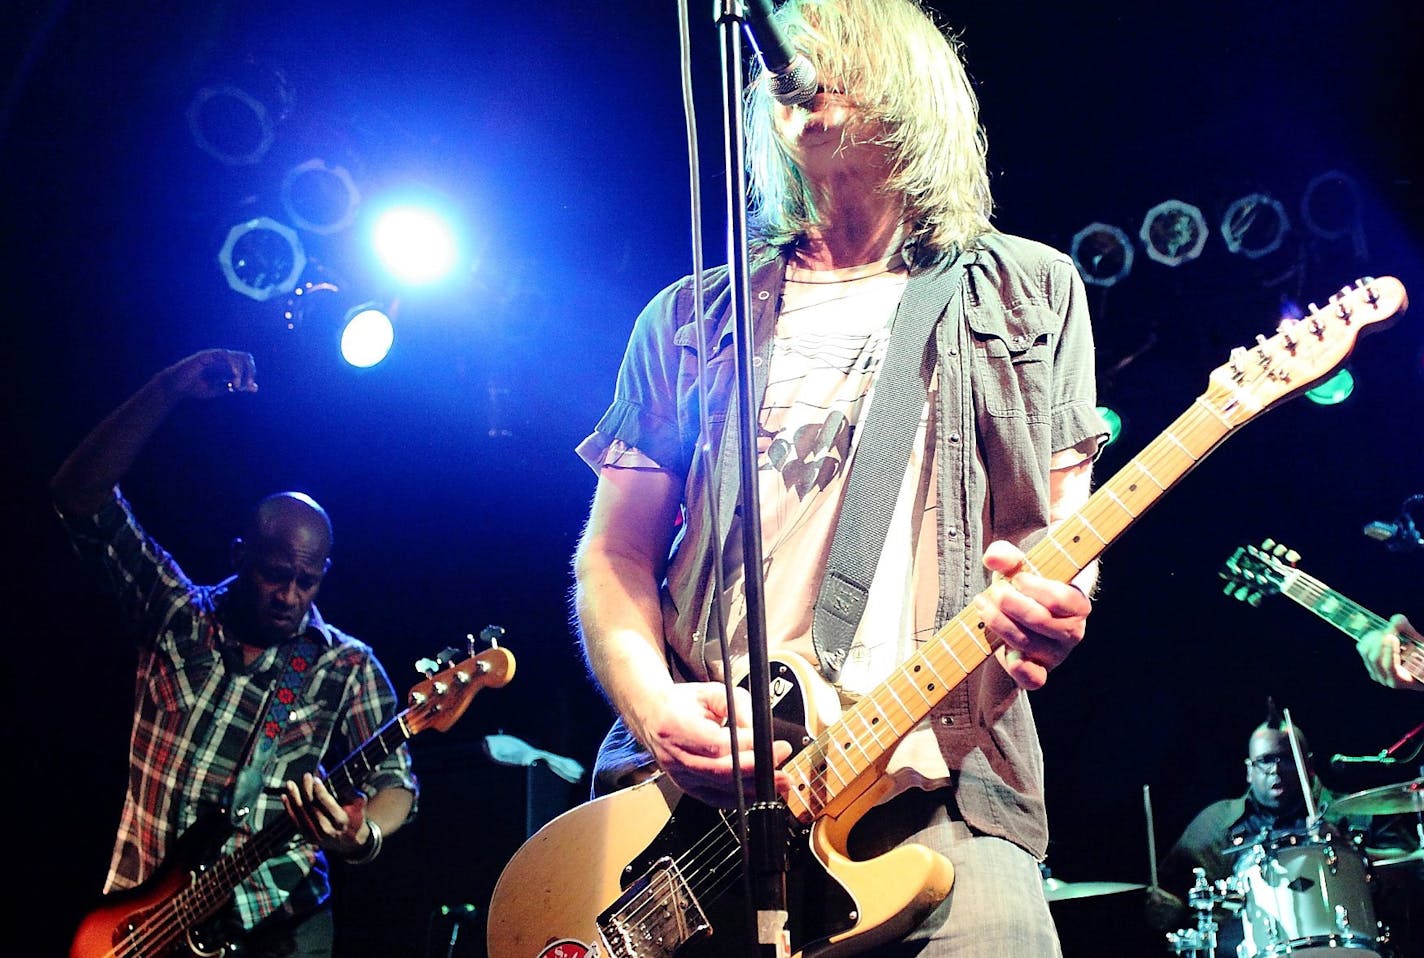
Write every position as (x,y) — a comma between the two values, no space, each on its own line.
(1401,535)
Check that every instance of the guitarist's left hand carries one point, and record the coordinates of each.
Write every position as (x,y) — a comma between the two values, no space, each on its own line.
(1381,651)
(1039,620)
(336,828)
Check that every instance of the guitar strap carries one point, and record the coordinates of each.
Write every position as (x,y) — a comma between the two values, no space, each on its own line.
(277,708)
(878,469)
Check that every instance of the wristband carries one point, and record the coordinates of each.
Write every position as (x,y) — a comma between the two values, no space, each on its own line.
(371,849)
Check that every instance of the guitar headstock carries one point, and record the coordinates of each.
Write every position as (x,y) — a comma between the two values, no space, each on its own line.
(440,700)
(1254,572)
(1303,351)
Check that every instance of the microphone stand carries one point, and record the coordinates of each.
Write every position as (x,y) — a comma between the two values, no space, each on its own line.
(765,851)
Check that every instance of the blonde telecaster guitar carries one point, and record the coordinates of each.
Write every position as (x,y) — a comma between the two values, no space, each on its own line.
(647,872)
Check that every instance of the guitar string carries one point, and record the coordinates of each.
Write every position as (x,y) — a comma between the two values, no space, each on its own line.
(1411,652)
(166,924)
(1156,454)
(639,906)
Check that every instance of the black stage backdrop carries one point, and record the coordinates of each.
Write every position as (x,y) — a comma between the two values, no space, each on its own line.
(556,133)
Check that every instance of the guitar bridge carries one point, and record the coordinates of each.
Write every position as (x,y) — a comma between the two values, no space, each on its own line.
(654,917)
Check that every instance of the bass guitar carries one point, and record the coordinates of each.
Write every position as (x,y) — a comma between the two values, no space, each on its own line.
(1254,572)
(172,912)
(647,872)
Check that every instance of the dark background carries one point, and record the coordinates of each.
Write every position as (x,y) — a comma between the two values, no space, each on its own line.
(556,133)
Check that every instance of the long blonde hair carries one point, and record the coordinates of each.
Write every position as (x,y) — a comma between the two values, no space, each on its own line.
(905,72)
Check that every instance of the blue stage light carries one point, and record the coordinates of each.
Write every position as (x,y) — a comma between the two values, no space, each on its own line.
(417,245)
(367,337)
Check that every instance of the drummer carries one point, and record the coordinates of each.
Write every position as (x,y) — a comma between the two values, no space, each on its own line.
(1272,807)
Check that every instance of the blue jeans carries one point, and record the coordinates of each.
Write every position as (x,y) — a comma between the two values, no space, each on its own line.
(996,906)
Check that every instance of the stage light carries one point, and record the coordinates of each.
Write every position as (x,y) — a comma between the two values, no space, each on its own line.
(1102,253)
(1330,208)
(1334,390)
(262,258)
(230,124)
(1114,421)
(1173,232)
(320,198)
(313,303)
(1254,225)
(417,245)
(367,336)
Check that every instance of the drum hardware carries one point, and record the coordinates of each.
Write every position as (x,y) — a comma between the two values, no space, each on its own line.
(1204,898)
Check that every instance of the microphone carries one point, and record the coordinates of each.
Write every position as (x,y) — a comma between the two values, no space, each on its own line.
(1340,761)
(790,76)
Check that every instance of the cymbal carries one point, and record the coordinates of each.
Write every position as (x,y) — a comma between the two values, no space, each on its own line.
(1055,890)
(1386,800)
(1397,858)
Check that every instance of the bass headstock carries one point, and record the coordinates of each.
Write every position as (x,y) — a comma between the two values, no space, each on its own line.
(449,686)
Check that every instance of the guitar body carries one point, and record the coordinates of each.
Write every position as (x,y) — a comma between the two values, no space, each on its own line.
(120,928)
(176,912)
(649,872)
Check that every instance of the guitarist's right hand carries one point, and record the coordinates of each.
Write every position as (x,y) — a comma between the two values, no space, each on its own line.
(685,727)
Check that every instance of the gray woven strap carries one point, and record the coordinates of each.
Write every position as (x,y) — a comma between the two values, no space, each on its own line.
(877,470)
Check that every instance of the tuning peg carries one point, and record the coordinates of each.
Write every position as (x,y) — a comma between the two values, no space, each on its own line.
(427,667)
(1255,600)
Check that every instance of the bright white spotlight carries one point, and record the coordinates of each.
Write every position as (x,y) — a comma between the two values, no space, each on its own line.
(367,337)
(416,245)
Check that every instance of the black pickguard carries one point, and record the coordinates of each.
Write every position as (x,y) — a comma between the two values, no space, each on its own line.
(818,905)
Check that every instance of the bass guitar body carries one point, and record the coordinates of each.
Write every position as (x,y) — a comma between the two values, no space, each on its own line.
(135,923)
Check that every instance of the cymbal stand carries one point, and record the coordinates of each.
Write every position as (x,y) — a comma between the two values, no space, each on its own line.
(1200,942)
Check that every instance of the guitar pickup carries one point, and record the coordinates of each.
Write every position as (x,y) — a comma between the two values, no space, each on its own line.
(654,917)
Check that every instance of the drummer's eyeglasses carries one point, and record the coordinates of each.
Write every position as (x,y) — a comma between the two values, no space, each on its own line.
(1268,763)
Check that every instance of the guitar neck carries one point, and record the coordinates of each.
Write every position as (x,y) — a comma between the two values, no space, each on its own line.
(831,771)
(824,771)
(212,887)
(1345,614)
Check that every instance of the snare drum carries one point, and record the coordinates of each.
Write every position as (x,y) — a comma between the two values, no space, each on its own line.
(1307,895)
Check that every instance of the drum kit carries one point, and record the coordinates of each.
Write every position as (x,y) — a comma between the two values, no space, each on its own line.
(1303,893)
